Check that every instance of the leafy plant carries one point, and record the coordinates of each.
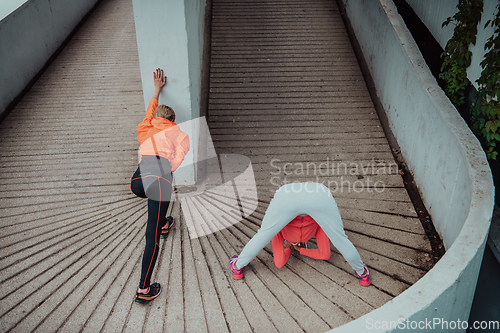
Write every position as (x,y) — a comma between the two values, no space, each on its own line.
(486,113)
(456,55)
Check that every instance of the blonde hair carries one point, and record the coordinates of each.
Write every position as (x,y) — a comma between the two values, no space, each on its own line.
(164,111)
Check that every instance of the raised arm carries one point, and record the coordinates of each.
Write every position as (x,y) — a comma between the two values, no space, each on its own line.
(159,81)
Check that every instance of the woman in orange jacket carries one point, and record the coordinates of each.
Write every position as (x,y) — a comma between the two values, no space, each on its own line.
(298,212)
(163,147)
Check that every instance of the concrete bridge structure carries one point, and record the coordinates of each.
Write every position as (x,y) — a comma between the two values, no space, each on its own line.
(281,90)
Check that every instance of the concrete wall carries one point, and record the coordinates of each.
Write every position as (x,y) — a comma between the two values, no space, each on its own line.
(447,163)
(434,13)
(170,36)
(28,38)
(195,15)
(8,6)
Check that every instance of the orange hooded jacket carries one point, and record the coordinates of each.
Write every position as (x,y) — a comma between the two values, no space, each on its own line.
(171,143)
(300,230)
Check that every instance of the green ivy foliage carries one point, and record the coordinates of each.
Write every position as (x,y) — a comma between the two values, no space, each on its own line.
(486,113)
(456,55)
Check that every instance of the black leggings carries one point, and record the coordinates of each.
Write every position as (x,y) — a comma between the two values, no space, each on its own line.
(158,187)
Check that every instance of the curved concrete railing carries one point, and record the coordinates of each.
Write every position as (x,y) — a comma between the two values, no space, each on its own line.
(447,163)
(29,37)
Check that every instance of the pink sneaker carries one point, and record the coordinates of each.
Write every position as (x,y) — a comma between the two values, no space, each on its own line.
(237,273)
(166,231)
(365,280)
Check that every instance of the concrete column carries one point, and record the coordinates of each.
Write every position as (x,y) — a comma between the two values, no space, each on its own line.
(168,37)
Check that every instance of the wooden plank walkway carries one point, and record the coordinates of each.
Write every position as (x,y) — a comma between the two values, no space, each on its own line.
(285,91)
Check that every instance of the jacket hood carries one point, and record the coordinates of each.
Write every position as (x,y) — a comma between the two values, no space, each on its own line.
(162,123)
